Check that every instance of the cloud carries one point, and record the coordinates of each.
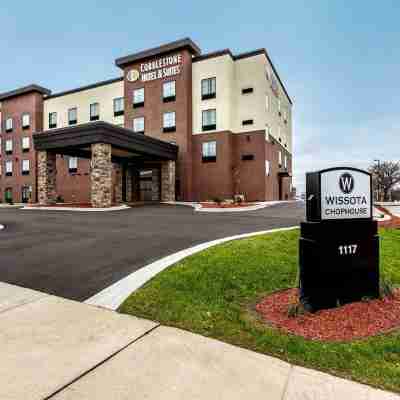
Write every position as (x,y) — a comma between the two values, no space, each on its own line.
(355,144)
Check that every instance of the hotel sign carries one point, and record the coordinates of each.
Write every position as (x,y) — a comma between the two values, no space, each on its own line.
(160,68)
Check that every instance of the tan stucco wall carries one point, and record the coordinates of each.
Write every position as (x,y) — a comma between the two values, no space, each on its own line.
(232,106)
(104,95)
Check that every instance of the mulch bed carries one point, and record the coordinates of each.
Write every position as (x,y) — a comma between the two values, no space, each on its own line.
(393,223)
(351,321)
(225,205)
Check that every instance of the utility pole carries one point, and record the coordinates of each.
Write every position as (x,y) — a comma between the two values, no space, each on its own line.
(378,181)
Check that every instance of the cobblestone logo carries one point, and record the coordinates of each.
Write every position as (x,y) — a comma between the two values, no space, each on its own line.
(346,183)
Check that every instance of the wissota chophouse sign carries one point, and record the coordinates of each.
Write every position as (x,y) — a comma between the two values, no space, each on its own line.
(160,68)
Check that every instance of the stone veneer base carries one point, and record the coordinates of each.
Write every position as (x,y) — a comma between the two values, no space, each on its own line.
(115,208)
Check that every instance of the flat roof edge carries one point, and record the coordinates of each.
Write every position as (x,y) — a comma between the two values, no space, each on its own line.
(24,90)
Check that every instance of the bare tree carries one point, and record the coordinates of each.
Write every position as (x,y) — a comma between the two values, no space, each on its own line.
(385,176)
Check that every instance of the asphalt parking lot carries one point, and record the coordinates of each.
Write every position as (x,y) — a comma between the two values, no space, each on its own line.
(75,255)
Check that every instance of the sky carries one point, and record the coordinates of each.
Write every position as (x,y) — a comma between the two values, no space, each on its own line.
(339,59)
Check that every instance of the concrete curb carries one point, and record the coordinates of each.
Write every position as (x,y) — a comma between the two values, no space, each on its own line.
(113,296)
(117,208)
(199,208)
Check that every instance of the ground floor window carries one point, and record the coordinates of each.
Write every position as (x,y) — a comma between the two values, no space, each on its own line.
(73,165)
(25,194)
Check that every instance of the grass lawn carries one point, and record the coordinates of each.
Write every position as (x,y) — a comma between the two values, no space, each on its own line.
(214,292)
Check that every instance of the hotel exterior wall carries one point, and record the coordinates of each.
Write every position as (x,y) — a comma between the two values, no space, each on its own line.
(14,107)
(104,95)
(223,69)
(153,110)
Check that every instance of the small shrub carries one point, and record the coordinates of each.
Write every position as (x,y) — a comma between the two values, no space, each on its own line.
(60,199)
(217,200)
(386,289)
(295,310)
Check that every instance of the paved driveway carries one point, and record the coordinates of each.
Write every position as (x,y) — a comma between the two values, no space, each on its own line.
(75,255)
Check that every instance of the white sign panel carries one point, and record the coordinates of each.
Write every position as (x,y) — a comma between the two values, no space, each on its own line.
(345,194)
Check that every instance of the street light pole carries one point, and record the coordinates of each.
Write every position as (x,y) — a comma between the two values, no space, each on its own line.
(378,181)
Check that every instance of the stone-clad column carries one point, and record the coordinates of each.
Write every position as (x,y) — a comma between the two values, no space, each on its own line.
(155,185)
(118,183)
(129,185)
(168,181)
(46,177)
(101,175)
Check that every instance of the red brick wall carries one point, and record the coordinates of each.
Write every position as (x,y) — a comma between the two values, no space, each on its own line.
(155,107)
(31,103)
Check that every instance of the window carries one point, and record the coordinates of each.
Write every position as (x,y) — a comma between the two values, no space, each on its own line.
(285,116)
(209,120)
(26,121)
(138,98)
(169,122)
(72,116)
(118,106)
(247,122)
(247,157)
(267,73)
(25,194)
(52,120)
(285,165)
(9,146)
(94,111)
(138,125)
(208,88)
(169,91)
(280,159)
(9,168)
(247,90)
(267,102)
(267,167)
(73,164)
(279,133)
(209,151)
(279,107)
(25,167)
(9,125)
(26,144)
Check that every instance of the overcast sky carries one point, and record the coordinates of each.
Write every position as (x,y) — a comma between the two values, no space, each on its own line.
(339,59)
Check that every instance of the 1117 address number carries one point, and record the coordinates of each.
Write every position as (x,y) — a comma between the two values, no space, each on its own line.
(347,250)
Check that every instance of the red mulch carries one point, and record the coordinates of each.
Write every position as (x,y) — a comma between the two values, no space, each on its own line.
(393,223)
(69,205)
(224,205)
(351,321)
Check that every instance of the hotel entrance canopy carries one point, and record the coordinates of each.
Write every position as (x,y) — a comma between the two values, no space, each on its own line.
(104,144)
(126,145)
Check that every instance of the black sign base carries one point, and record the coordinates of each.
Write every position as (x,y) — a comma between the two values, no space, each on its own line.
(339,262)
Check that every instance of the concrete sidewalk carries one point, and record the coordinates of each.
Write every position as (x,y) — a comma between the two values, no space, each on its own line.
(61,349)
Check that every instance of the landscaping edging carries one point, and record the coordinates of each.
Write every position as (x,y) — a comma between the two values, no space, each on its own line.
(113,296)
(116,208)
(199,208)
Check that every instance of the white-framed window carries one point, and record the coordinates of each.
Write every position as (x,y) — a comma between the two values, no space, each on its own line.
(267,72)
(279,105)
(286,163)
(9,146)
(25,166)
(280,159)
(267,167)
(26,120)
(118,106)
(94,111)
(138,124)
(208,88)
(169,121)
(169,92)
(73,164)
(26,143)
(138,97)
(52,120)
(267,102)
(267,132)
(9,124)
(72,116)
(209,151)
(9,167)
(209,120)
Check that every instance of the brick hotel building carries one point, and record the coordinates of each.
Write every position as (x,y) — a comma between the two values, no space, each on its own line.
(177,125)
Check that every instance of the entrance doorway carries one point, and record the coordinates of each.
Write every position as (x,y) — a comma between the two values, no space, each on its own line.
(149,185)
(25,194)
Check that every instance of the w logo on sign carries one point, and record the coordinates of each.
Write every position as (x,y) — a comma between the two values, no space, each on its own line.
(346,183)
